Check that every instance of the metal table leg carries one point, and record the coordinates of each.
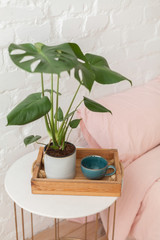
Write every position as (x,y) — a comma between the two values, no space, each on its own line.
(108,214)
(32,226)
(85,230)
(22,219)
(114,222)
(15,216)
(96,232)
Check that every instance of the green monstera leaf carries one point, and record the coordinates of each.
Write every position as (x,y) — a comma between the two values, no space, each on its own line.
(83,71)
(30,109)
(42,58)
(60,116)
(94,106)
(103,74)
(74,123)
(31,139)
(96,60)
(53,59)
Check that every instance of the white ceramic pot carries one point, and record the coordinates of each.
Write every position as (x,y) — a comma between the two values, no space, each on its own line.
(60,167)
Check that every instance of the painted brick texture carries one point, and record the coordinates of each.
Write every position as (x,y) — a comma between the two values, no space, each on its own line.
(126,32)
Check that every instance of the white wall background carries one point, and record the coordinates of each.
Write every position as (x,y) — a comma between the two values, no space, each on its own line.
(126,32)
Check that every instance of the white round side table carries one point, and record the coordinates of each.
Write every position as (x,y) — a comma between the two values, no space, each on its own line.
(18,187)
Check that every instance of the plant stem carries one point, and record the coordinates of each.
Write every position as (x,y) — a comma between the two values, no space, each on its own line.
(61,127)
(52,103)
(51,118)
(67,124)
(73,99)
(76,110)
(52,135)
(42,84)
(57,98)
(69,134)
(45,117)
(41,143)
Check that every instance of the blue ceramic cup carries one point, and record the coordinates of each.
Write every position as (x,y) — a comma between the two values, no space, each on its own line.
(95,167)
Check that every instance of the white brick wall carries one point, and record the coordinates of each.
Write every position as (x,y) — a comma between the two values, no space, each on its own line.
(32,33)
(7,35)
(20,14)
(126,32)
(72,28)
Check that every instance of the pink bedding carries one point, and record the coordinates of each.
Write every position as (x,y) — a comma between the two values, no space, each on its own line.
(134,129)
(147,221)
(138,209)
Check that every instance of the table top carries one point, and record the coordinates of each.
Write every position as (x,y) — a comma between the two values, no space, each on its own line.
(18,187)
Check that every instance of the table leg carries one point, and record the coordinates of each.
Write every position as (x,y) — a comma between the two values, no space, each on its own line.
(85,230)
(108,223)
(15,215)
(22,219)
(32,225)
(58,229)
(96,233)
(55,229)
(114,221)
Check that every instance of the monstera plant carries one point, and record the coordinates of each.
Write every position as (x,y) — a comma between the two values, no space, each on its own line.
(53,60)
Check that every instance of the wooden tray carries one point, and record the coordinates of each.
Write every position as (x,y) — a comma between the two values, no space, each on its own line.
(80,185)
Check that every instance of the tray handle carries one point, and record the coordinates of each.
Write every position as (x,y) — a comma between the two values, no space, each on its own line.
(41,173)
(122,169)
(33,166)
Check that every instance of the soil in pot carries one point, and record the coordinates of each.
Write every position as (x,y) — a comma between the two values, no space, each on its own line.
(69,149)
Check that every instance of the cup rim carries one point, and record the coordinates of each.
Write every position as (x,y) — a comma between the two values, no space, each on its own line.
(95,157)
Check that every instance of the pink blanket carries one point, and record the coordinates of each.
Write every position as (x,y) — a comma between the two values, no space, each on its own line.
(138,209)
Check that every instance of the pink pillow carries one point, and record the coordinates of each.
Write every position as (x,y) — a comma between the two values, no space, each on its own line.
(134,126)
